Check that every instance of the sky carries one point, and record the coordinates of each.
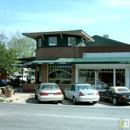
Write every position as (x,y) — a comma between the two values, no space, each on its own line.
(95,17)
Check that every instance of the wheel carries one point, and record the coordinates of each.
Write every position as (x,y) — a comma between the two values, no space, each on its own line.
(74,101)
(94,102)
(65,96)
(114,101)
(35,96)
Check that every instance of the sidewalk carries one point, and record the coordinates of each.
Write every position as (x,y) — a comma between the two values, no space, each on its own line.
(17,96)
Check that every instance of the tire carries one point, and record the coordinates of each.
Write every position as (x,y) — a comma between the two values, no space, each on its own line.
(74,101)
(35,96)
(39,102)
(65,96)
(114,101)
(94,102)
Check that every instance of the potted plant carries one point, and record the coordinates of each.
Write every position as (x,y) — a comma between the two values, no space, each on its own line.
(9,91)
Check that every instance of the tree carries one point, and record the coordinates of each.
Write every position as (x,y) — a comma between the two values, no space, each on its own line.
(7,56)
(24,46)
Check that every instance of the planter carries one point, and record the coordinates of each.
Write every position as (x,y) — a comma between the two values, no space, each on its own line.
(9,93)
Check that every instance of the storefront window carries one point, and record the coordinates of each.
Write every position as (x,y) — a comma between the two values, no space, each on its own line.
(59,73)
(86,76)
(120,77)
(106,76)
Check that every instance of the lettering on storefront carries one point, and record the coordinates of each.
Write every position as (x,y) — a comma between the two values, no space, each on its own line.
(124,62)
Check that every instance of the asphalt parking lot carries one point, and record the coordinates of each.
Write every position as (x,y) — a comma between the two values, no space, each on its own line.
(31,100)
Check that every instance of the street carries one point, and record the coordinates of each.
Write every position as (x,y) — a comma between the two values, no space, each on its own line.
(60,117)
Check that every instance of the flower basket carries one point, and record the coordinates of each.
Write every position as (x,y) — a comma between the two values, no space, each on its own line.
(9,91)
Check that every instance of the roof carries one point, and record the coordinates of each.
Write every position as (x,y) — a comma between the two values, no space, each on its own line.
(69,32)
(103,41)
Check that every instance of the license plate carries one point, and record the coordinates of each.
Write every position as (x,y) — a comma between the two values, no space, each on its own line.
(51,93)
(90,94)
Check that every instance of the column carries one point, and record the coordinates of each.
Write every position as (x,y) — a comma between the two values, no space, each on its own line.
(127,78)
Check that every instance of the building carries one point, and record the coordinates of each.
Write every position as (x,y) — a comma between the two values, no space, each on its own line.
(66,57)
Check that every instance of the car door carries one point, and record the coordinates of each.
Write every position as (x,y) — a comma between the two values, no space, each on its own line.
(107,95)
(71,92)
(67,91)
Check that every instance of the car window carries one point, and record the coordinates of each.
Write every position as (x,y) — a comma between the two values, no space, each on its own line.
(49,87)
(85,87)
(73,88)
(110,91)
(123,90)
(68,88)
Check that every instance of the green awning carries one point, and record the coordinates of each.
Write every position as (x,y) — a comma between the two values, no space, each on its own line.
(109,60)
(50,61)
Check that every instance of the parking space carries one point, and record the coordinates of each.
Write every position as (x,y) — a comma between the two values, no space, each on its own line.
(31,100)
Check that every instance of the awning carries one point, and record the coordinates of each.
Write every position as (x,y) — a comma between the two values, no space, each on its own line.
(50,61)
(109,60)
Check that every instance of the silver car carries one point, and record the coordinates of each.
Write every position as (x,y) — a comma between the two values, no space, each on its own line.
(82,93)
(48,92)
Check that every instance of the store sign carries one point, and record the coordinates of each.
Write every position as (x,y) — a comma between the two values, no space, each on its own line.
(124,62)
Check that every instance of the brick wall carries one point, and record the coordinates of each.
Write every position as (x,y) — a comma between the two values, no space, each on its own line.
(77,52)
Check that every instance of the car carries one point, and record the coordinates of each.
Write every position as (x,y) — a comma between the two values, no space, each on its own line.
(116,95)
(100,86)
(48,92)
(81,93)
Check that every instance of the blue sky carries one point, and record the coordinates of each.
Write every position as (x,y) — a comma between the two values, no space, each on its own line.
(95,17)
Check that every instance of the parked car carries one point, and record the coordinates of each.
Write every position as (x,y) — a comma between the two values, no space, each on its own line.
(48,92)
(81,93)
(100,86)
(116,95)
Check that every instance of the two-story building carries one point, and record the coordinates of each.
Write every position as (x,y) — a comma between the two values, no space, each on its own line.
(66,57)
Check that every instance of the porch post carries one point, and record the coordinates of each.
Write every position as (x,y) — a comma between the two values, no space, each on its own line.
(114,77)
(73,73)
(44,73)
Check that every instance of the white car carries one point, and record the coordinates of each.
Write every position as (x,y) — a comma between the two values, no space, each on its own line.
(82,93)
(48,92)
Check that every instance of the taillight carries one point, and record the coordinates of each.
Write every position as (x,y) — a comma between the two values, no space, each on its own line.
(122,96)
(43,94)
(58,93)
(97,93)
(81,94)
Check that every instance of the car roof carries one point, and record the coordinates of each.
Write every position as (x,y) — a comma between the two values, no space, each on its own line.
(81,84)
(48,84)
(117,87)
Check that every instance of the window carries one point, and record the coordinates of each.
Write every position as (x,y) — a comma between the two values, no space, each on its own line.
(71,41)
(39,42)
(52,41)
(73,88)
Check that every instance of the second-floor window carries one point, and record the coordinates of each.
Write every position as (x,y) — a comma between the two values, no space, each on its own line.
(39,42)
(52,41)
(71,41)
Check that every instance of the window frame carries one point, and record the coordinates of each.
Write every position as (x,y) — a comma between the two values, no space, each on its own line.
(39,42)
(71,44)
(52,41)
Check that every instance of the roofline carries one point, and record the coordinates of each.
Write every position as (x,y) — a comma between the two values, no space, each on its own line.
(110,39)
(81,33)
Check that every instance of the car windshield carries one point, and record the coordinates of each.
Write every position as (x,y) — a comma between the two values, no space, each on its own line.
(123,90)
(49,87)
(85,87)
